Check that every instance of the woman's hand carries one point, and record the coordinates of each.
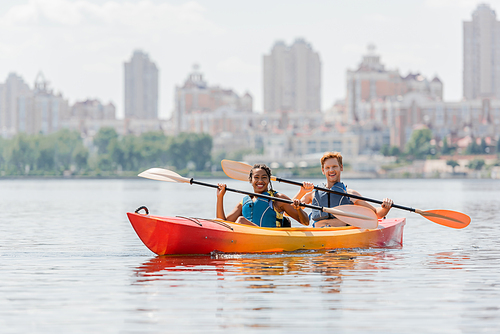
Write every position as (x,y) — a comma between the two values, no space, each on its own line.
(221,190)
(296,203)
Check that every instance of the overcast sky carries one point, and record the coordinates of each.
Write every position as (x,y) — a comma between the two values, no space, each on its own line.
(81,45)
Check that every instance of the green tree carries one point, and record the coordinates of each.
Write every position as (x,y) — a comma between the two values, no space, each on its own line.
(394,151)
(3,153)
(81,157)
(104,162)
(453,164)
(116,152)
(66,143)
(201,151)
(418,147)
(132,157)
(22,154)
(103,138)
(46,154)
(473,148)
(476,164)
(191,147)
(447,148)
(155,148)
(385,150)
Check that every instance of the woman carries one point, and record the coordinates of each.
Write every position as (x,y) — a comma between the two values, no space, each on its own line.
(258,211)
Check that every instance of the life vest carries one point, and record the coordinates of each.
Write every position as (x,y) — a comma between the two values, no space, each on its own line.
(262,212)
(328,200)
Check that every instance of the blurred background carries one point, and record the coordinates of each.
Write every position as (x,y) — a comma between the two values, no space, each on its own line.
(108,88)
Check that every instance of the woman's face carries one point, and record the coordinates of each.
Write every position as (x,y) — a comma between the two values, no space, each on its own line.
(260,180)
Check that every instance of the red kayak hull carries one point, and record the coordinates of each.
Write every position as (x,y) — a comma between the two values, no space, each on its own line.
(182,235)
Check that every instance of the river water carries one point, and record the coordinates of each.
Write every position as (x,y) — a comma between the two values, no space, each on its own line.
(70,262)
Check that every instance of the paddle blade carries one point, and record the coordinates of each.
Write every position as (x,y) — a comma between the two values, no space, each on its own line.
(237,170)
(166,175)
(355,215)
(453,219)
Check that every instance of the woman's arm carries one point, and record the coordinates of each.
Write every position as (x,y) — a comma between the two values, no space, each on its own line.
(221,191)
(294,210)
(234,214)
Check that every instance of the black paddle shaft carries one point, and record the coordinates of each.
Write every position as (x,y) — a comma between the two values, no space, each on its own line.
(192,181)
(345,194)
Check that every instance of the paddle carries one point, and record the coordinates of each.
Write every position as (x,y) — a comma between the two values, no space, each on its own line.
(454,219)
(350,214)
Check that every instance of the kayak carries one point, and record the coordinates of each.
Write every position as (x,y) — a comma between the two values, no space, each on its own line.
(189,236)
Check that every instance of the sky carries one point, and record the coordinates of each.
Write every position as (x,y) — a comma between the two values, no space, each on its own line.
(81,45)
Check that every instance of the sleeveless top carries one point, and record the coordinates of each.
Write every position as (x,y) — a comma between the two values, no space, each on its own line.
(327,199)
(261,212)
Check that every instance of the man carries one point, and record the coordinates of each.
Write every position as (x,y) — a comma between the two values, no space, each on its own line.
(331,167)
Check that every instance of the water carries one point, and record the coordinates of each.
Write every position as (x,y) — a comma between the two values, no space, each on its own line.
(71,262)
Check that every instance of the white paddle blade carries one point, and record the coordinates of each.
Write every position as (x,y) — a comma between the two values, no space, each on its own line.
(355,215)
(166,175)
(238,170)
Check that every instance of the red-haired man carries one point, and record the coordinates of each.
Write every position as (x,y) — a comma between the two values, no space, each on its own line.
(331,167)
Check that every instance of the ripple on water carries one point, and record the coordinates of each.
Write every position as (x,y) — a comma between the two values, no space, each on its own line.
(70,262)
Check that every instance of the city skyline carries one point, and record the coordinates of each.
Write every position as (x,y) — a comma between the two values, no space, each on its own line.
(81,46)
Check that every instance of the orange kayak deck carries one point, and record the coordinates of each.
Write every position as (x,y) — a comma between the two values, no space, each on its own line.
(186,235)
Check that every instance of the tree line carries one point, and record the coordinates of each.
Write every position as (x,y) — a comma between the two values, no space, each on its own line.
(64,152)
(422,145)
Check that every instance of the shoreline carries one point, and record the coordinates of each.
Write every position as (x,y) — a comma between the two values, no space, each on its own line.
(345,176)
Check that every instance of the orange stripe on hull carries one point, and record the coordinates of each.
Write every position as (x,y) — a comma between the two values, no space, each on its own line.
(179,235)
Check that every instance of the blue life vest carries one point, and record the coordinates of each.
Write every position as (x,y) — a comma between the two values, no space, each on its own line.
(327,199)
(261,212)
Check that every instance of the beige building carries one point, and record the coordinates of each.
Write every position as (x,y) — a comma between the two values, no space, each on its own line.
(93,109)
(386,105)
(141,87)
(292,78)
(371,83)
(481,72)
(203,108)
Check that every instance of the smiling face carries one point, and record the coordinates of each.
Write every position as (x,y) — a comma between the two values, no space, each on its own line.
(331,169)
(259,181)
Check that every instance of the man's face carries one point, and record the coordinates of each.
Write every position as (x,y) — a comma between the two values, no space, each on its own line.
(331,169)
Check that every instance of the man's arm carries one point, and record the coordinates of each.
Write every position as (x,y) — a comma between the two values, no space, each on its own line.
(305,193)
(381,212)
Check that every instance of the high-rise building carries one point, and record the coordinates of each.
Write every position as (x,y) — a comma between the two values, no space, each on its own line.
(141,87)
(481,54)
(292,78)
(10,92)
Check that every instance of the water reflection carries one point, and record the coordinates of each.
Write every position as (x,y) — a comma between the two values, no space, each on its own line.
(448,260)
(161,266)
(245,290)
(263,271)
